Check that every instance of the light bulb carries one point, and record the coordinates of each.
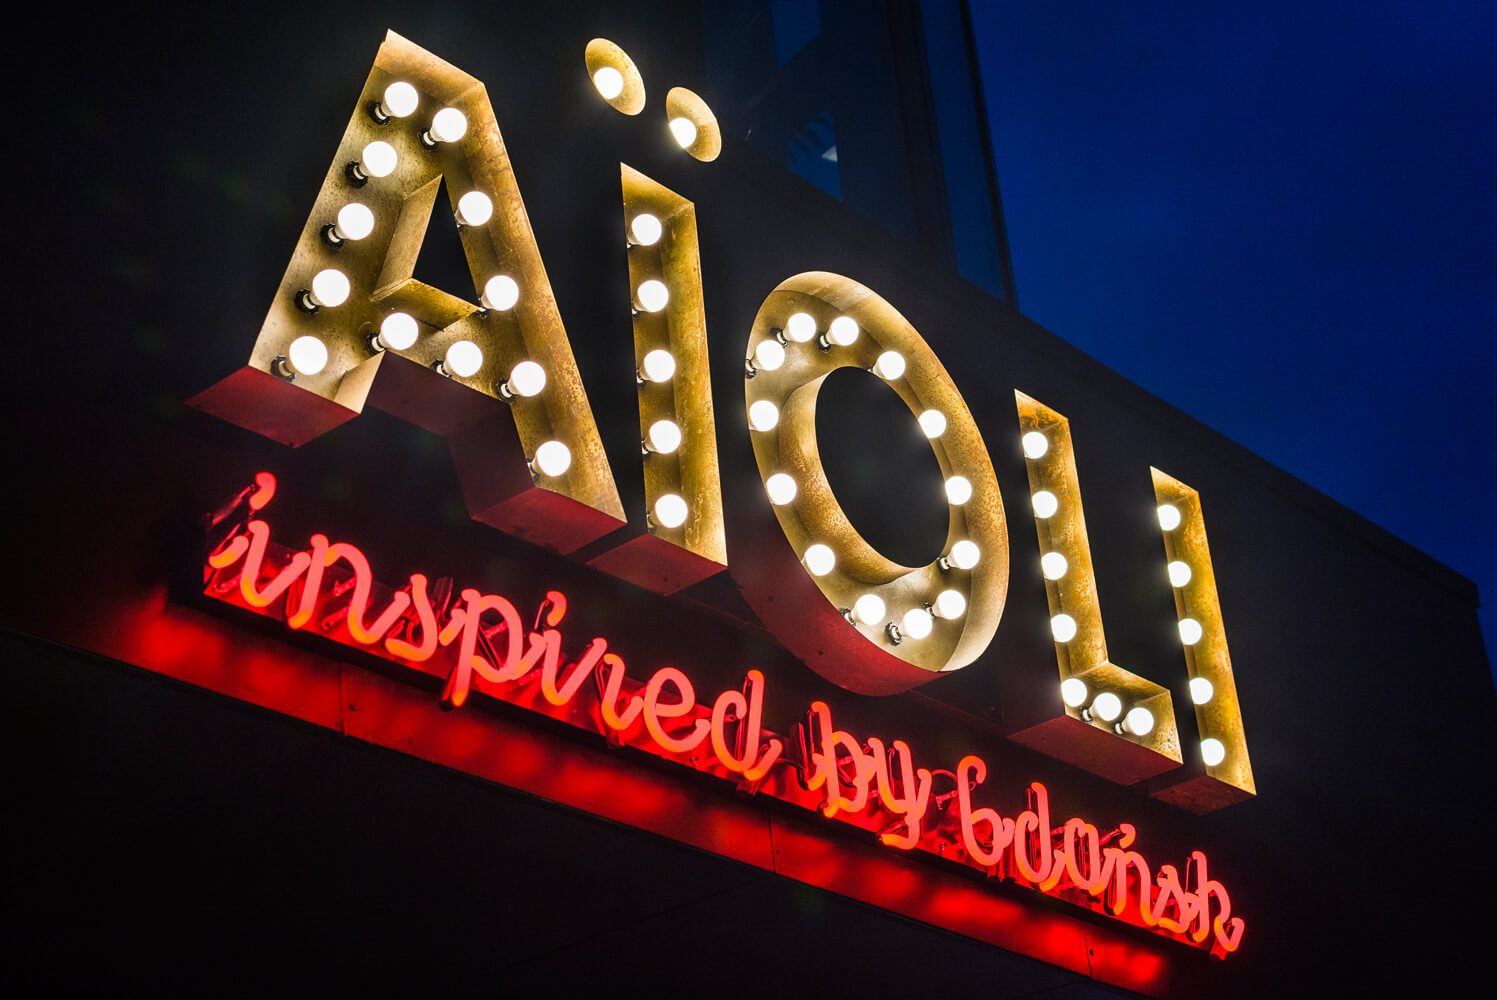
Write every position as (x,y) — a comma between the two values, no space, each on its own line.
(1035,444)
(1212,751)
(1169,516)
(664,437)
(1139,721)
(958,490)
(552,459)
(769,355)
(932,423)
(447,125)
(463,359)
(819,559)
(1107,706)
(329,288)
(355,222)
(889,366)
(525,379)
(400,101)
(1045,504)
(670,511)
(659,365)
(474,209)
(1190,631)
(1053,565)
(500,293)
(1073,692)
(869,609)
(1201,690)
(781,489)
(377,160)
(1179,573)
(964,554)
(645,229)
(843,332)
(684,131)
(949,604)
(398,332)
(916,623)
(652,295)
(800,327)
(1063,627)
(609,81)
(763,415)
(307,355)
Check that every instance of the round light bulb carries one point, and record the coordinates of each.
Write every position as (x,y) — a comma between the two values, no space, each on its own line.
(448,125)
(659,365)
(527,379)
(684,131)
(1212,751)
(1035,444)
(916,623)
(819,559)
(475,208)
(781,488)
(869,609)
(1200,690)
(1053,565)
(355,221)
(769,355)
(400,99)
(553,459)
(1169,516)
(1179,573)
(1063,627)
(664,436)
(889,366)
(330,288)
(500,293)
(800,327)
(964,554)
(398,331)
(1045,504)
(307,355)
(379,159)
(958,490)
(1107,706)
(1073,692)
(646,229)
(932,423)
(843,332)
(763,415)
(670,511)
(949,604)
(609,81)
(463,359)
(1190,631)
(652,295)
(1139,721)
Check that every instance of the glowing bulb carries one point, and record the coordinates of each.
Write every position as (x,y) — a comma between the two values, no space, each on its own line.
(769,355)
(670,511)
(1179,573)
(552,459)
(609,81)
(1169,516)
(964,554)
(869,609)
(763,415)
(398,332)
(1201,690)
(949,604)
(463,359)
(800,327)
(1107,706)
(889,366)
(652,295)
(781,488)
(500,293)
(916,623)
(378,159)
(1073,692)
(447,125)
(932,423)
(355,222)
(645,229)
(659,365)
(474,209)
(664,437)
(329,288)
(400,100)
(1045,504)
(958,490)
(1212,751)
(1190,631)
(1139,721)
(1035,444)
(819,559)
(1063,627)
(307,355)
(525,379)
(1053,565)
(684,131)
(843,332)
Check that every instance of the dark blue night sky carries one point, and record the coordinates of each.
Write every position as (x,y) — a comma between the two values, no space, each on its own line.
(1280,218)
